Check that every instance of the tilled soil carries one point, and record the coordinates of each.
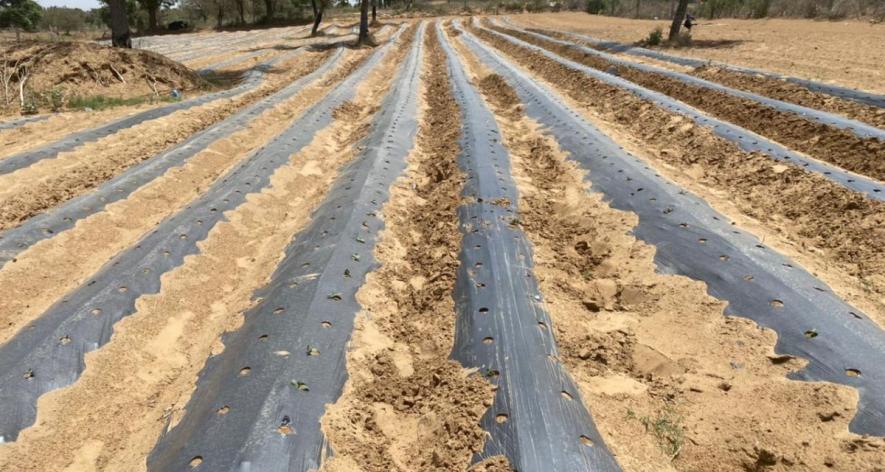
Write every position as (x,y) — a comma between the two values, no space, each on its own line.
(148,371)
(407,406)
(834,52)
(671,383)
(52,181)
(838,146)
(798,205)
(766,86)
(649,348)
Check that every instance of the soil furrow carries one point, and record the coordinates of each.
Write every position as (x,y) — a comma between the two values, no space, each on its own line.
(87,315)
(304,320)
(146,373)
(694,240)
(65,215)
(40,275)
(830,144)
(537,420)
(671,380)
(769,86)
(828,228)
(406,406)
(46,184)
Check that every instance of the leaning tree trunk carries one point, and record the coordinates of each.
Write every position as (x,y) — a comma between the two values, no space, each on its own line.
(678,18)
(364,23)
(317,16)
(120,37)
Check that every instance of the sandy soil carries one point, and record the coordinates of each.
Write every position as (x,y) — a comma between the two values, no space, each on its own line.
(44,272)
(406,406)
(789,201)
(827,143)
(672,383)
(86,69)
(162,347)
(817,50)
(47,183)
(759,84)
(648,348)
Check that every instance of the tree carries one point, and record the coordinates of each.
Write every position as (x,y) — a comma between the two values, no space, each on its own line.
(364,23)
(20,15)
(269,8)
(678,18)
(152,7)
(319,6)
(375,11)
(120,37)
(64,19)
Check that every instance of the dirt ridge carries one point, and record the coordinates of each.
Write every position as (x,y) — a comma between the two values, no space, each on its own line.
(406,406)
(768,86)
(841,228)
(826,143)
(650,349)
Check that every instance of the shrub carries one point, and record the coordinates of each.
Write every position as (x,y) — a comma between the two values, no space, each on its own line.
(56,99)
(595,7)
(655,37)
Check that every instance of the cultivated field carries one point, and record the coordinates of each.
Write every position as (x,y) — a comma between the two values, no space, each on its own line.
(487,243)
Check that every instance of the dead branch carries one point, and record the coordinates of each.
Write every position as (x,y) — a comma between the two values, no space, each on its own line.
(119,75)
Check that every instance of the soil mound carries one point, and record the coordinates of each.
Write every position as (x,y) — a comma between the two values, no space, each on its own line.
(53,73)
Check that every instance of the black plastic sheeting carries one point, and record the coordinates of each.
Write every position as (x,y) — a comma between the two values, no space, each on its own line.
(857,127)
(19,161)
(537,420)
(694,240)
(746,140)
(46,225)
(12,124)
(48,353)
(859,96)
(294,340)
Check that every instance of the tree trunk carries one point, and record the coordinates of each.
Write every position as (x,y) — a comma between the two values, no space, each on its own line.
(220,16)
(636,10)
(364,23)
(678,18)
(241,10)
(120,37)
(317,16)
(269,7)
(152,19)
(374,11)
(316,22)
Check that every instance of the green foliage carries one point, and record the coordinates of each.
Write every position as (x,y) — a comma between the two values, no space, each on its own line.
(655,37)
(666,427)
(135,20)
(759,8)
(595,7)
(56,99)
(64,19)
(23,14)
(101,102)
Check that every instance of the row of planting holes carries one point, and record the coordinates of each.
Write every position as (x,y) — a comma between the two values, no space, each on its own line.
(284,427)
(777,304)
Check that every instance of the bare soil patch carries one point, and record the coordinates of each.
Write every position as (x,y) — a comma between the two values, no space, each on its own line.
(828,51)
